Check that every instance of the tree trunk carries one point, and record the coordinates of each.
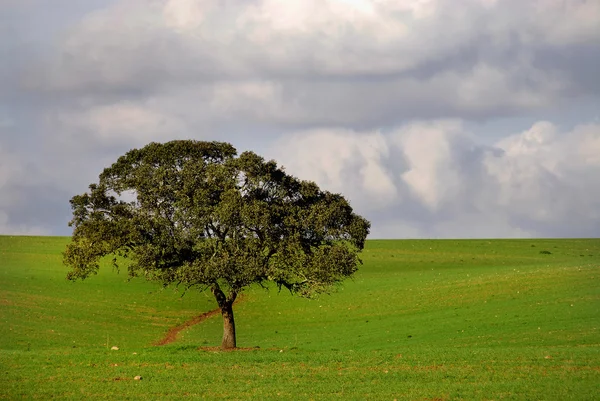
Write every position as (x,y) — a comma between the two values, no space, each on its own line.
(226,305)
(228,327)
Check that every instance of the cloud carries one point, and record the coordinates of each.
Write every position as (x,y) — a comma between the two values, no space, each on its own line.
(562,23)
(121,123)
(548,177)
(437,179)
(13,177)
(436,118)
(10,169)
(341,161)
(8,228)
(339,62)
(438,159)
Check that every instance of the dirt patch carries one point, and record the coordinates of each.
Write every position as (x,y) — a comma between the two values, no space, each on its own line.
(171,335)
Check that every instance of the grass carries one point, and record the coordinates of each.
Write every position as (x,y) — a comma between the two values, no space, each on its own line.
(422,320)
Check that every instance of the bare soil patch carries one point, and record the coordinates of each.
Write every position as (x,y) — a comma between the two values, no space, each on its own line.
(171,335)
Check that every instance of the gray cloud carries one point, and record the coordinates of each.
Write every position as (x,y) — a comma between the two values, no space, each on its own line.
(329,63)
(371,98)
(25,206)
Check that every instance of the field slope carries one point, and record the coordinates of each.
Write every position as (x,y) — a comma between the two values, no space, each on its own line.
(422,320)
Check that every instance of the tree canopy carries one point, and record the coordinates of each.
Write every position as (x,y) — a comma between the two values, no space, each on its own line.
(196,214)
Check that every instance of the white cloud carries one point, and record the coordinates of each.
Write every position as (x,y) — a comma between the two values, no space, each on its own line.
(433,173)
(186,15)
(587,146)
(564,22)
(548,176)
(341,161)
(254,100)
(122,123)
(435,179)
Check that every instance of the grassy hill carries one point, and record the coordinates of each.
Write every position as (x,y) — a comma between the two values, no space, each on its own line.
(422,319)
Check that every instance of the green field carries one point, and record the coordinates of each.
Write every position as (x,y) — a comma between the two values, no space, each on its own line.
(421,320)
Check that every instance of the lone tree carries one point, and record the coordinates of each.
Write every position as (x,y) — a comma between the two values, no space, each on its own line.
(195,214)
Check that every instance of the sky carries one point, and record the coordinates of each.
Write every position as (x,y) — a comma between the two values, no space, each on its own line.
(434,118)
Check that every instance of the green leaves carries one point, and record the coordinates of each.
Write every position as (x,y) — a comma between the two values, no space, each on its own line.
(192,213)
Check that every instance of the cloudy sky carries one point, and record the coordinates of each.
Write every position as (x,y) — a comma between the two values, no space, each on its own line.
(435,118)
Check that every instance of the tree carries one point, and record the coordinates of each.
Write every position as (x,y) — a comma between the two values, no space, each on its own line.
(195,214)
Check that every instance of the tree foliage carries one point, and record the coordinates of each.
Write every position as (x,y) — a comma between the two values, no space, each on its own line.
(196,214)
